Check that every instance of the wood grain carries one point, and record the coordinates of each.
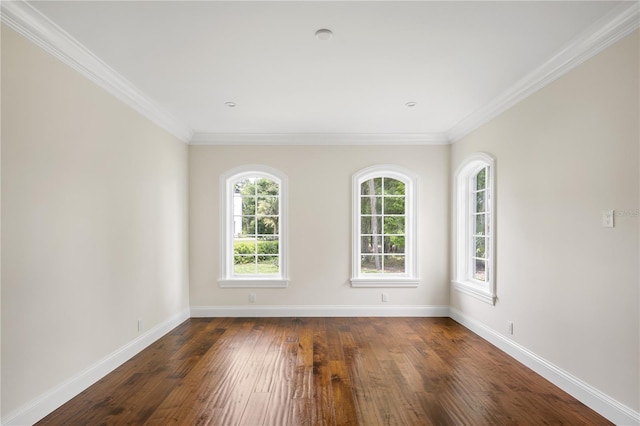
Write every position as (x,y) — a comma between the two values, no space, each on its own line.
(322,371)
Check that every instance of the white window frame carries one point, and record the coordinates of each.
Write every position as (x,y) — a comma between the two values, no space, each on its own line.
(227,183)
(463,225)
(410,277)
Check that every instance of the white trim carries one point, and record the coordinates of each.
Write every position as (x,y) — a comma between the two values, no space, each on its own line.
(410,277)
(461,241)
(264,311)
(226,279)
(319,139)
(593,398)
(614,26)
(46,403)
(36,27)
(475,290)
(388,282)
(253,283)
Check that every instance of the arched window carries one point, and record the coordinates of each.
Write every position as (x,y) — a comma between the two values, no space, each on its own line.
(384,242)
(254,227)
(474,227)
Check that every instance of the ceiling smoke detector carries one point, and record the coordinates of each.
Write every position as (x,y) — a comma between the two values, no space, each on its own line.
(324,34)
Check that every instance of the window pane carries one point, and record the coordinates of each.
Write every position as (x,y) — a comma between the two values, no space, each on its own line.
(394,205)
(479,272)
(480,201)
(244,246)
(371,205)
(480,220)
(267,225)
(248,206)
(371,264)
(481,179)
(237,226)
(245,187)
(394,225)
(393,245)
(268,245)
(248,226)
(393,187)
(371,244)
(371,187)
(268,264)
(267,187)
(371,225)
(243,265)
(365,188)
(394,264)
(480,243)
(268,206)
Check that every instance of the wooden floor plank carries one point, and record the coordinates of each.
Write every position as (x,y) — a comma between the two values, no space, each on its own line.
(323,408)
(322,371)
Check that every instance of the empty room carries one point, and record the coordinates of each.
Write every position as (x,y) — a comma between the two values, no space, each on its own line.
(320,212)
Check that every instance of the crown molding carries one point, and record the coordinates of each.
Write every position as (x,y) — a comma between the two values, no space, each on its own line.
(319,139)
(33,25)
(614,26)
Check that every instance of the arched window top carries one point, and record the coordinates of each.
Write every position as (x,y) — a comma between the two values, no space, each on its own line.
(385,170)
(474,163)
(254,170)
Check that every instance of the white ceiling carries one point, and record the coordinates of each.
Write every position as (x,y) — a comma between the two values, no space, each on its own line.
(454,59)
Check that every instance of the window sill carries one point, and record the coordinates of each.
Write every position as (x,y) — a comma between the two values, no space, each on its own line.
(472,289)
(253,283)
(385,282)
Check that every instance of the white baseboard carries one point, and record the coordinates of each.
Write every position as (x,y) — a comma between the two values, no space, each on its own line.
(319,311)
(603,404)
(54,398)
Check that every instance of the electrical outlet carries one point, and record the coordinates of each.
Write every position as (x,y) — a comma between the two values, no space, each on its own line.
(139,325)
(252,298)
(385,297)
(510,327)
(607,219)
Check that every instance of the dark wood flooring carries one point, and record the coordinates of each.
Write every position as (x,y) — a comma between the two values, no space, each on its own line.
(322,371)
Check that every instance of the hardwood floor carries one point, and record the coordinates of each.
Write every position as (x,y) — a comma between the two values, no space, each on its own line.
(322,371)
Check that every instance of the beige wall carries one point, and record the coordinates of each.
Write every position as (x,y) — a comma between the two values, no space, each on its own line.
(570,286)
(94,223)
(319,222)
